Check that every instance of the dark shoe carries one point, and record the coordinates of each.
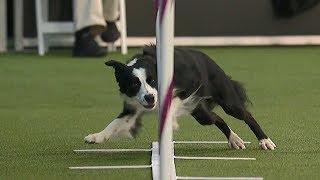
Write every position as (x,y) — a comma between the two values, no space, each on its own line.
(86,46)
(111,34)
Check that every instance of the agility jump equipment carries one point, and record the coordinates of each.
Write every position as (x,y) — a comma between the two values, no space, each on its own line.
(162,152)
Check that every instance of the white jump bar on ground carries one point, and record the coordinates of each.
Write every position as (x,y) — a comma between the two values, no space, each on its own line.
(220,178)
(146,150)
(213,158)
(109,150)
(204,142)
(155,161)
(110,167)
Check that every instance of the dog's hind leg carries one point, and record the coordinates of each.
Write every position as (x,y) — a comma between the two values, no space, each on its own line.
(126,124)
(206,117)
(242,114)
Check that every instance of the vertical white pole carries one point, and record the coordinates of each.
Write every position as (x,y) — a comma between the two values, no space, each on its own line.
(3,25)
(123,22)
(165,50)
(18,25)
(40,18)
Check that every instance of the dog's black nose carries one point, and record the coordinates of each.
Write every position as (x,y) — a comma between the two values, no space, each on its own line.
(149,98)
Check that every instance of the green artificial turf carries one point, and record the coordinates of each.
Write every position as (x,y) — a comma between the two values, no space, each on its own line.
(48,104)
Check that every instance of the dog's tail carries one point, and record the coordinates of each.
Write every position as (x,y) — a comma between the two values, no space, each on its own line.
(241,92)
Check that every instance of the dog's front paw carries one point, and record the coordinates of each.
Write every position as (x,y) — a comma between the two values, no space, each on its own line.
(267,144)
(94,138)
(235,141)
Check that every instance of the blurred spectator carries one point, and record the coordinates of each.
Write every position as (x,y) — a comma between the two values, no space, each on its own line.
(289,8)
(94,20)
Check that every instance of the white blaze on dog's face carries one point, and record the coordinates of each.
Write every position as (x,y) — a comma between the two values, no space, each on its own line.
(137,84)
(147,95)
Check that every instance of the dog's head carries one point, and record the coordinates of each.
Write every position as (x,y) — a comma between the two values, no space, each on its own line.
(138,84)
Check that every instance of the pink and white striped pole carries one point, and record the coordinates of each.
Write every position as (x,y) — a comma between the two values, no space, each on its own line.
(165,65)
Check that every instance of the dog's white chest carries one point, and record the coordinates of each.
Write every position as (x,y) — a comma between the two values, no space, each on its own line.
(185,106)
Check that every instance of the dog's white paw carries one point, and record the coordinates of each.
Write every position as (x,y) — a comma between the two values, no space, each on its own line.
(267,144)
(94,138)
(235,141)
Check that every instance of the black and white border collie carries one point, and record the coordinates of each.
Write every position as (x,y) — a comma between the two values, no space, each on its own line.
(199,85)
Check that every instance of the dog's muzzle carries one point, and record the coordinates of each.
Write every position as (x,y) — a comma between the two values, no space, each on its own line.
(149,98)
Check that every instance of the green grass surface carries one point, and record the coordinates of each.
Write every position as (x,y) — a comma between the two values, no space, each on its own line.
(48,104)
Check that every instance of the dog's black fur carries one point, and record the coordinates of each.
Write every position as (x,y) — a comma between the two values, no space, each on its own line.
(197,78)
(193,70)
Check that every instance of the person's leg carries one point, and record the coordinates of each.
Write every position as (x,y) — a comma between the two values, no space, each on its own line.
(111,15)
(88,13)
(89,23)
(111,10)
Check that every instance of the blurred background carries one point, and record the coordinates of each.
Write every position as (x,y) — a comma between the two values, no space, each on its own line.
(266,22)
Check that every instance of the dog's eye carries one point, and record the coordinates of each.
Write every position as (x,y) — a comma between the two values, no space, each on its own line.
(135,82)
(150,81)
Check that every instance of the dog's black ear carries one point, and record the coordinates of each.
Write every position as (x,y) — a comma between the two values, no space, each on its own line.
(150,50)
(119,68)
(113,63)
(116,64)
